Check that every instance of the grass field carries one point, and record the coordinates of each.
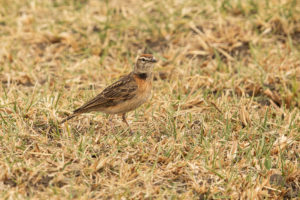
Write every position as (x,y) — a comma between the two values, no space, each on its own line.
(223,121)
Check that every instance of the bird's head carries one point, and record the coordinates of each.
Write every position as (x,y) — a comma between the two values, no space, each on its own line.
(144,63)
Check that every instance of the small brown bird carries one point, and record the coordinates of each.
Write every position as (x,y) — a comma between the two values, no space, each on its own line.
(124,95)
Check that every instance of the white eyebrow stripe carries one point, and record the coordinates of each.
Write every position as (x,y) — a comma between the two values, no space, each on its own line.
(146,58)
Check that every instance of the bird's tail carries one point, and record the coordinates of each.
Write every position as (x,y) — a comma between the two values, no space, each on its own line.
(68,118)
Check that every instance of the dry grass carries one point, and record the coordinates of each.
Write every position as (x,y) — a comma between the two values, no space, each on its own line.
(223,122)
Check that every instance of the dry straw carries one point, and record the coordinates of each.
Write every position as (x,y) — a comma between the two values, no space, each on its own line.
(223,121)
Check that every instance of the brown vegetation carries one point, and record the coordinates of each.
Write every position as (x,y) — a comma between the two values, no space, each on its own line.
(223,121)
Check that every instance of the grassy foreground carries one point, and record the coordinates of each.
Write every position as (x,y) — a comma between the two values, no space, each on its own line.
(223,121)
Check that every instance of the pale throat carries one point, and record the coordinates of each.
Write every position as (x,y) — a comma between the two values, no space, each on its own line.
(142,73)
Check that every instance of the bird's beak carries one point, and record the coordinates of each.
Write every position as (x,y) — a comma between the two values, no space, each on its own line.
(153,60)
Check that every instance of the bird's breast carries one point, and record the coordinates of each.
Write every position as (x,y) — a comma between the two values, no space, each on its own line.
(144,88)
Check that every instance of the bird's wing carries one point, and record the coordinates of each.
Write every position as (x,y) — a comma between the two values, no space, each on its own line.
(122,90)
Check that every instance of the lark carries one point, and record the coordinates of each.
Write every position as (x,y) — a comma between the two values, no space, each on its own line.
(126,94)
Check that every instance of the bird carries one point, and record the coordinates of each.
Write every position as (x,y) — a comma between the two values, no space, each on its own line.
(124,95)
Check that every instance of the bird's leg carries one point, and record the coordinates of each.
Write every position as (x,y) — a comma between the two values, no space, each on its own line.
(124,120)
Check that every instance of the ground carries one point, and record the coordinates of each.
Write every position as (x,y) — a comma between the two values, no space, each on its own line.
(223,121)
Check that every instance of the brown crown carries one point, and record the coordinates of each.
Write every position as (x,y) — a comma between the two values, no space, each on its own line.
(146,55)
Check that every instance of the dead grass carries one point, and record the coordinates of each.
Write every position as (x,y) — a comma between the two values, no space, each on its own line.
(223,122)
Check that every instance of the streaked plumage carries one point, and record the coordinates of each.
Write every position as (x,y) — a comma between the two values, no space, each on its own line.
(124,95)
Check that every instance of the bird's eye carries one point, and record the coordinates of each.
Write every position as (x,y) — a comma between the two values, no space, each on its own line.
(143,59)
